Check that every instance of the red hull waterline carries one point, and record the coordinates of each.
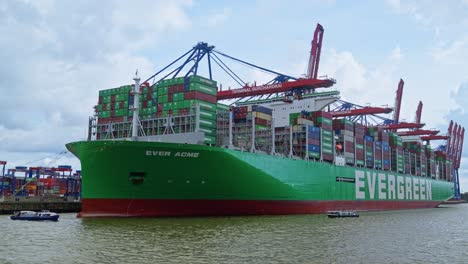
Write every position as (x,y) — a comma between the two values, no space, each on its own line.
(161,208)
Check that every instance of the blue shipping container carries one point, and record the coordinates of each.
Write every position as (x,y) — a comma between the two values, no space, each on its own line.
(313,148)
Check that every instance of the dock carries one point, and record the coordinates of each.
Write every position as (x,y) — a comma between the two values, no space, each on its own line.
(9,204)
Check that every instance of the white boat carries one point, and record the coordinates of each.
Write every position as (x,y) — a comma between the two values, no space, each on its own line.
(35,216)
(336,214)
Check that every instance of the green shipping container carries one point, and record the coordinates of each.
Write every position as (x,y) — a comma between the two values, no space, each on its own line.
(292,117)
(324,120)
(202,80)
(314,155)
(207,122)
(203,88)
(207,114)
(326,132)
(208,130)
(223,107)
(203,105)
(210,140)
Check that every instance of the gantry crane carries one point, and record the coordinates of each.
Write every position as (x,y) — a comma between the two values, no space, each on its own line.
(361,111)
(417,119)
(398,98)
(418,133)
(281,83)
(395,124)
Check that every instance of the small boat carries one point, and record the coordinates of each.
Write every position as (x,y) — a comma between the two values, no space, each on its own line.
(35,216)
(336,214)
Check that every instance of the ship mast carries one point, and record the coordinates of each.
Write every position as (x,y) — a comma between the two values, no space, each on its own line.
(136,106)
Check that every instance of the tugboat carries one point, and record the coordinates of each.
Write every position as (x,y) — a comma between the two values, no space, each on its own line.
(336,214)
(35,216)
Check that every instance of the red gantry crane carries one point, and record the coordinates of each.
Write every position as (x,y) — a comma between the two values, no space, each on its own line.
(362,111)
(418,133)
(395,124)
(282,84)
(417,119)
(398,98)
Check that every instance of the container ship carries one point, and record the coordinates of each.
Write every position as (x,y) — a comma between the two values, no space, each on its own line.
(180,145)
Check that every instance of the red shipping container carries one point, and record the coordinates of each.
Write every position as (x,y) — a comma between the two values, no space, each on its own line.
(313,141)
(112,106)
(170,97)
(202,96)
(121,104)
(328,157)
(180,88)
(259,121)
(243,109)
(160,107)
(145,104)
(104,107)
(100,99)
(322,114)
(113,98)
(349,145)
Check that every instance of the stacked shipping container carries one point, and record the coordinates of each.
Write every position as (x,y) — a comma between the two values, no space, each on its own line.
(359,132)
(179,96)
(172,97)
(345,130)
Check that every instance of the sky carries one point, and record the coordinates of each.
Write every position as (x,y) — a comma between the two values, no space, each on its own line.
(57,55)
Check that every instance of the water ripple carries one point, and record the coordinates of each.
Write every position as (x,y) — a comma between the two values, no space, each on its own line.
(415,236)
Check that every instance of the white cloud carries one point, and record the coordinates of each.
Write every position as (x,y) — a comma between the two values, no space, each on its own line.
(454,53)
(406,7)
(218,17)
(360,84)
(58,60)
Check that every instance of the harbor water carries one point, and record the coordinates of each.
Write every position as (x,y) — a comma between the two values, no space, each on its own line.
(438,235)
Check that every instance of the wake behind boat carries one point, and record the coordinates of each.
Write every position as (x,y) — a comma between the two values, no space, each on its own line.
(35,216)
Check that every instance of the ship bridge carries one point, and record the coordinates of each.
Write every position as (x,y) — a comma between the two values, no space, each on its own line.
(282,109)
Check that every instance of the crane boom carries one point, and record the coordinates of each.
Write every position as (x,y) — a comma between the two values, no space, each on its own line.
(315,51)
(402,125)
(362,111)
(418,113)
(434,137)
(399,96)
(455,144)
(460,148)
(418,133)
(454,141)
(274,88)
(449,133)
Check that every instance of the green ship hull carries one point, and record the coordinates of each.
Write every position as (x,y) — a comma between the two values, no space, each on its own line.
(146,179)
